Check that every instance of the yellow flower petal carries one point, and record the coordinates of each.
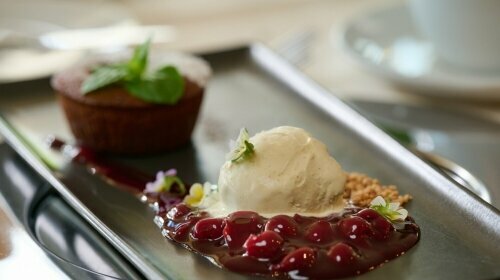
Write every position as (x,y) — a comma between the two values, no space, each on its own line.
(195,195)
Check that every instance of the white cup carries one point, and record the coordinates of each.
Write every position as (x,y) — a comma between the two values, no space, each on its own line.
(465,33)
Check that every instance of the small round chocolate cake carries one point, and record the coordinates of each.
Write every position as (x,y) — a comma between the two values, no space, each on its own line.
(112,120)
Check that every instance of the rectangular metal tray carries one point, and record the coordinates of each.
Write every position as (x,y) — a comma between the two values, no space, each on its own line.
(254,88)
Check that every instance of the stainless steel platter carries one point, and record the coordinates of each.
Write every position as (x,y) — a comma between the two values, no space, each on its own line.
(254,88)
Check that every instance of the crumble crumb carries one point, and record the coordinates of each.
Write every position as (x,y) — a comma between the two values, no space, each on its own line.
(361,189)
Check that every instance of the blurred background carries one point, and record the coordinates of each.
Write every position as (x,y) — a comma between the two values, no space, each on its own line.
(213,25)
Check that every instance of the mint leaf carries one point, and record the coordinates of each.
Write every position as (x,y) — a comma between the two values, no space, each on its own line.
(243,148)
(166,86)
(246,151)
(139,61)
(104,76)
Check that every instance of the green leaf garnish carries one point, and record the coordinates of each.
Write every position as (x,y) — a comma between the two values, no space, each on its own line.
(169,181)
(243,148)
(104,76)
(391,211)
(164,86)
(139,61)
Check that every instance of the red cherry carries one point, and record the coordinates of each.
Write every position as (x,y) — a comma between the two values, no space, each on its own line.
(320,232)
(355,228)
(284,225)
(300,259)
(208,229)
(382,228)
(239,225)
(341,253)
(264,246)
(181,231)
(368,214)
(178,211)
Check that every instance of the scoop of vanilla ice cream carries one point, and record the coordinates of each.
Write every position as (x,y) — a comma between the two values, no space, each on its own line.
(290,172)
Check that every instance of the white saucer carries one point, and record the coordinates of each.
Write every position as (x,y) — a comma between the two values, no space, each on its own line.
(389,45)
(21,62)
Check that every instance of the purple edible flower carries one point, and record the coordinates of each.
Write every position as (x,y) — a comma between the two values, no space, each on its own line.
(157,184)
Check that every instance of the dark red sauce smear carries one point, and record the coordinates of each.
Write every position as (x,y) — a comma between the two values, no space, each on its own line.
(340,245)
(116,174)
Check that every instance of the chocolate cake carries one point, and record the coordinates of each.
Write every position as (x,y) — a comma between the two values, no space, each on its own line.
(113,121)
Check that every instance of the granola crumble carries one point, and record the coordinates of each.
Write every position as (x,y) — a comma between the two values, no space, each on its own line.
(360,189)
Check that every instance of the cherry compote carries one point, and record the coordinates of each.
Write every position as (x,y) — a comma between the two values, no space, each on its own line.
(343,244)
